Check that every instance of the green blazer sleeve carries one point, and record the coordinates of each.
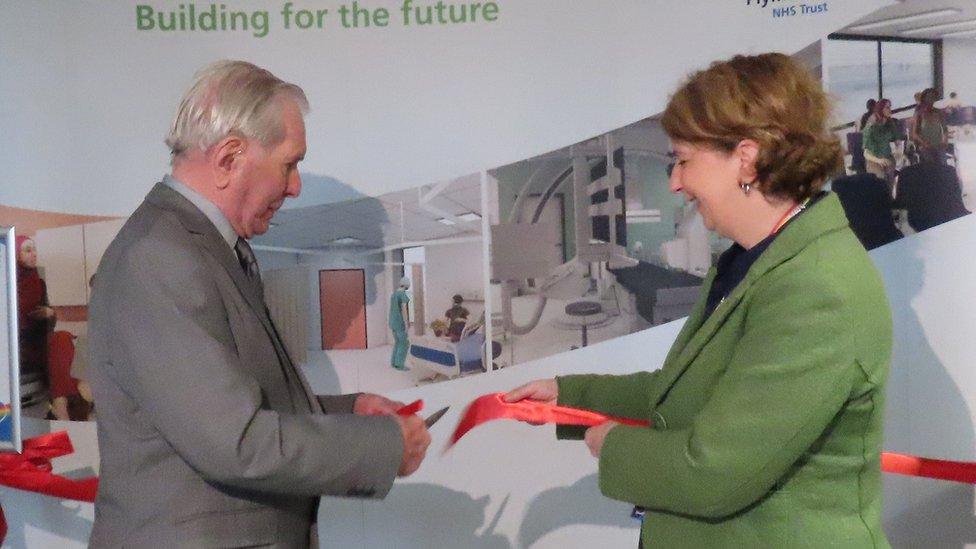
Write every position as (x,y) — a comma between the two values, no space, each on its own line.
(788,376)
(621,396)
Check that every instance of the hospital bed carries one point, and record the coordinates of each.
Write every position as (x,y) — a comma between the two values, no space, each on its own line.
(441,356)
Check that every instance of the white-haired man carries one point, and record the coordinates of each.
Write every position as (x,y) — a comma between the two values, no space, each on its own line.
(209,435)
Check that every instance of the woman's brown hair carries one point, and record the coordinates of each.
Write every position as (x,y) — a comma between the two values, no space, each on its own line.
(771,100)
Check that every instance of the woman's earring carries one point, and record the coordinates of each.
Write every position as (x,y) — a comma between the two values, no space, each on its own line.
(746,187)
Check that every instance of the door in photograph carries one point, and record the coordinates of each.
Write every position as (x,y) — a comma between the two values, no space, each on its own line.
(342,300)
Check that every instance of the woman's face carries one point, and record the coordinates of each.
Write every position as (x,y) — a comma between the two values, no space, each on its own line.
(27,255)
(709,179)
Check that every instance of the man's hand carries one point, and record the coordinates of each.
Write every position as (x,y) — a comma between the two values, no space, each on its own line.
(595,436)
(545,390)
(416,439)
(368,404)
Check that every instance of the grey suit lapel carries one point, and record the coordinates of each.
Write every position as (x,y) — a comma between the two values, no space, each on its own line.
(207,237)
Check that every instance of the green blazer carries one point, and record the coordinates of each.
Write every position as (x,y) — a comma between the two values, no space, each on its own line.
(767,416)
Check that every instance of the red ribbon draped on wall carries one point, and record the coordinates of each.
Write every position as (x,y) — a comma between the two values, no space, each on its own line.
(31,471)
(493,406)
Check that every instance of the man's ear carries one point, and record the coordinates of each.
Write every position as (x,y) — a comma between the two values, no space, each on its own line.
(747,152)
(225,158)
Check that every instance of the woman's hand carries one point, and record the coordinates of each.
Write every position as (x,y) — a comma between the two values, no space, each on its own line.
(595,436)
(544,390)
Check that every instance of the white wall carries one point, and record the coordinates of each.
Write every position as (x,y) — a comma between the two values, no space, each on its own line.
(931,408)
(453,269)
(959,69)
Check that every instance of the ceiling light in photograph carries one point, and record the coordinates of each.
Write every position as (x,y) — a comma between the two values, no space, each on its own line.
(346,241)
(446,221)
(959,34)
(905,19)
(940,26)
(470,216)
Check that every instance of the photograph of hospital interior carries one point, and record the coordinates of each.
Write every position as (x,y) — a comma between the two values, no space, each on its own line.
(379,293)
(903,87)
(587,244)
(56,255)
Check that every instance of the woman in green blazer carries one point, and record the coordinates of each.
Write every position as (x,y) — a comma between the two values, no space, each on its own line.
(767,414)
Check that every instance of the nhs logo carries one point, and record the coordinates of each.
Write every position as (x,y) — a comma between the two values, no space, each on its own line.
(785,11)
(780,8)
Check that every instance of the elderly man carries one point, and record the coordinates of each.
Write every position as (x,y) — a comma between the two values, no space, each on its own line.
(208,433)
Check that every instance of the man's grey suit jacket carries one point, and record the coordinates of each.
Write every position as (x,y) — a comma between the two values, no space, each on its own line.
(208,435)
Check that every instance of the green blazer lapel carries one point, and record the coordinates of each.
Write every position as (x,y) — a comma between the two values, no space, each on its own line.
(207,237)
(824,217)
(699,334)
(694,320)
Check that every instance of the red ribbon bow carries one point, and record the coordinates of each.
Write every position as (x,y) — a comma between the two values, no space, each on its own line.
(31,471)
(493,406)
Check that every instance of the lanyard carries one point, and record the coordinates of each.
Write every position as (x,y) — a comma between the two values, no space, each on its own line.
(790,214)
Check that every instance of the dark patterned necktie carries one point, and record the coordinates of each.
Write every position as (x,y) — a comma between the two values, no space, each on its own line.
(246,257)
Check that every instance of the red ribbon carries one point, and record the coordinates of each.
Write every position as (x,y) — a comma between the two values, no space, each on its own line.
(31,471)
(411,409)
(914,466)
(493,406)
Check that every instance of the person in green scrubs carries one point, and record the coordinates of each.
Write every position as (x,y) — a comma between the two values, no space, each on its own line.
(398,323)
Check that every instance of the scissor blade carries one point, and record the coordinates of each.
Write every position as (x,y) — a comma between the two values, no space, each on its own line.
(436,416)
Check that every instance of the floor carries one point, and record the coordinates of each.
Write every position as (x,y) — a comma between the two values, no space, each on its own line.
(334,372)
(553,335)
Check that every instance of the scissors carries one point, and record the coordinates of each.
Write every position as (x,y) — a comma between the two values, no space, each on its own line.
(433,418)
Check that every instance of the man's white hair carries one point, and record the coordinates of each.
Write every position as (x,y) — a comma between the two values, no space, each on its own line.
(232,98)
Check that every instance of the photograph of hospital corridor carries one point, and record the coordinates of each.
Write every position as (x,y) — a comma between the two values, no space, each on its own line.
(342,276)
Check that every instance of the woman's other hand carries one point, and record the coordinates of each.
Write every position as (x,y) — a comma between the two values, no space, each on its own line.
(595,436)
(544,390)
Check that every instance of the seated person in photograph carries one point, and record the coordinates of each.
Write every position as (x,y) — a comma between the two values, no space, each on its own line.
(457,317)
(209,435)
(767,415)
(35,322)
(68,403)
(952,109)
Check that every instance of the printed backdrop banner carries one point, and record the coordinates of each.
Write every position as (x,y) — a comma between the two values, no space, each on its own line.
(88,88)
